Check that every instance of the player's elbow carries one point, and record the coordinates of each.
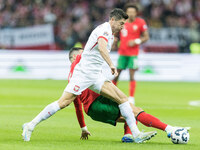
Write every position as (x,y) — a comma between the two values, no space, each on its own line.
(146,37)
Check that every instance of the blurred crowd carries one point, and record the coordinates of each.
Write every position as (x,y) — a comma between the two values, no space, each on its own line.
(73,20)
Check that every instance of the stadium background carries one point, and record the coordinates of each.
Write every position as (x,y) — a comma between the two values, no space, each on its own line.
(35,37)
(56,26)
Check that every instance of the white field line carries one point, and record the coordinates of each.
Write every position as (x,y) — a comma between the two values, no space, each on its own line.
(194,103)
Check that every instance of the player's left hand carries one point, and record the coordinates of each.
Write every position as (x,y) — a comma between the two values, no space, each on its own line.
(84,135)
(114,70)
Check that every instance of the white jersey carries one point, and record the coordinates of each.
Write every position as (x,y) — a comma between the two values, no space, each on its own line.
(91,60)
(87,73)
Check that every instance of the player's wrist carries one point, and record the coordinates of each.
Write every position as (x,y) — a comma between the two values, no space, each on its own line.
(138,41)
(111,65)
(84,128)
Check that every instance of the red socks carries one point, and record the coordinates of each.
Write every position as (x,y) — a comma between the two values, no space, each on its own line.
(147,120)
(132,86)
(150,121)
(127,130)
(114,82)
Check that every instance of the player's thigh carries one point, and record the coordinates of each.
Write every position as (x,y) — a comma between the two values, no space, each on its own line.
(78,83)
(133,62)
(97,85)
(112,92)
(122,62)
(66,99)
(104,110)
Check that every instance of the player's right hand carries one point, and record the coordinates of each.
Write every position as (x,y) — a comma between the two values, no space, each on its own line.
(131,43)
(114,70)
(84,135)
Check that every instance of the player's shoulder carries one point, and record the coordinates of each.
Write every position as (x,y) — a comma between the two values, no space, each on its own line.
(104,27)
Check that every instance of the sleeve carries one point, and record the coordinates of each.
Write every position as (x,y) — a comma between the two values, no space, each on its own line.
(143,26)
(79,112)
(102,33)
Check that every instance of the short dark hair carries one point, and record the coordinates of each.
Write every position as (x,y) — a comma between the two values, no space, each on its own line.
(118,14)
(130,5)
(72,51)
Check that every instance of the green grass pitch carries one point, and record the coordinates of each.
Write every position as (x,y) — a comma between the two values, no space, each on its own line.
(21,100)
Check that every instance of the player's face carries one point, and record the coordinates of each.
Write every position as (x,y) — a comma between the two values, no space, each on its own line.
(132,13)
(119,24)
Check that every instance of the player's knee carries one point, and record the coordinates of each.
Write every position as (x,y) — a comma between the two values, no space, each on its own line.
(64,103)
(123,99)
(137,110)
(140,109)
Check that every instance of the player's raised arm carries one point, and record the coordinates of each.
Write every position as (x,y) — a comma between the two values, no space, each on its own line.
(145,36)
(102,44)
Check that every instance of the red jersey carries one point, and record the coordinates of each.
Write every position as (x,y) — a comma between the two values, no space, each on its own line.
(131,31)
(86,98)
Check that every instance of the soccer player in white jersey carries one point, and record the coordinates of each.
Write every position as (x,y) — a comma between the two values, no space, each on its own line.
(88,74)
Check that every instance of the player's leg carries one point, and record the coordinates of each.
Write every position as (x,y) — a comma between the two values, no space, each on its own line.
(133,66)
(47,112)
(127,132)
(75,87)
(121,65)
(132,86)
(150,121)
(104,110)
(107,111)
(112,92)
(127,138)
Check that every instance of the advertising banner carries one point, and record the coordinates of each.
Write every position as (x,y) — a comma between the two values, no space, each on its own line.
(27,37)
(56,65)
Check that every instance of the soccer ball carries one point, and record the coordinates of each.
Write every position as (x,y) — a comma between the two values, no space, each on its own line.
(180,136)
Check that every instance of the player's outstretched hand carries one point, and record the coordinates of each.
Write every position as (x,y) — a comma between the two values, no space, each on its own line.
(84,135)
(114,71)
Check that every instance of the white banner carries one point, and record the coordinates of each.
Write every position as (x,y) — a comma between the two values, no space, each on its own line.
(28,36)
(168,35)
(56,65)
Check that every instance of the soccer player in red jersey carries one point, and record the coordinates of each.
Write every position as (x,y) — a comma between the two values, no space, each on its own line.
(132,35)
(103,109)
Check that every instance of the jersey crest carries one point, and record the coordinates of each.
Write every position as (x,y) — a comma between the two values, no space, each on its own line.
(76,88)
(135,27)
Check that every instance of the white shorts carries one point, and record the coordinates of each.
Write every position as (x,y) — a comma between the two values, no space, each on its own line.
(80,82)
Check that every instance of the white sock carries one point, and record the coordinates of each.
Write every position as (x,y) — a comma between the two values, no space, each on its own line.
(131,100)
(127,113)
(168,128)
(47,112)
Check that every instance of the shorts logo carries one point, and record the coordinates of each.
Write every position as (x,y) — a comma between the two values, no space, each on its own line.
(76,88)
